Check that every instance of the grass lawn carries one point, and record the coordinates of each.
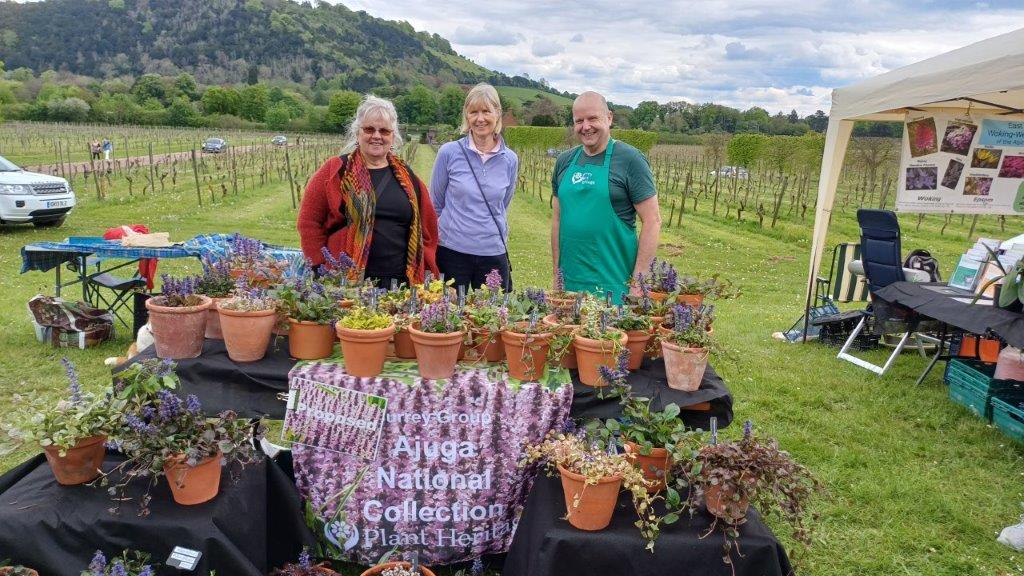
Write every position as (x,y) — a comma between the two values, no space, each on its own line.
(916,485)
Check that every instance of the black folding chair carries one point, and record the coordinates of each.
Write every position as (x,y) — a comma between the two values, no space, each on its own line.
(880,244)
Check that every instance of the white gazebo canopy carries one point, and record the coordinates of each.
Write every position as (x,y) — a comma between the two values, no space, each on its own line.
(987,77)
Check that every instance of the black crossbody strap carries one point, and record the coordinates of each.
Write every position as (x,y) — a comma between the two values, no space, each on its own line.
(494,218)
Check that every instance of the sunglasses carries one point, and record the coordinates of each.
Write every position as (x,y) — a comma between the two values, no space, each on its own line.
(369,130)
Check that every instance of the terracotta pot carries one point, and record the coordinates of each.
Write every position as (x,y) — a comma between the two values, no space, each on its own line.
(561,304)
(309,340)
(654,466)
(684,367)
(636,342)
(246,334)
(568,359)
(592,354)
(194,484)
(178,330)
(488,345)
(527,354)
(658,296)
(380,568)
(403,344)
(719,502)
(5,570)
(82,462)
(653,350)
(436,354)
(694,300)
(1010,365)
(589,507)
(213,331)
(346,302)
(364,350)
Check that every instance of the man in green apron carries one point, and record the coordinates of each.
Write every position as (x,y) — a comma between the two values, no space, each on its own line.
(599,189)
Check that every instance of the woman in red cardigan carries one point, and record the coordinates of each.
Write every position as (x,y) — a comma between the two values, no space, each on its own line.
(368,204)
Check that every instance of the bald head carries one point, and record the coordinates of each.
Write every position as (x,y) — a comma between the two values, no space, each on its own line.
(592,121)
(591,99)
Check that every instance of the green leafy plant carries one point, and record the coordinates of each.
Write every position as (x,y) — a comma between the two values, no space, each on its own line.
(307,301)
(690,327)
(629,320)
(441,317)
(363,318)
(179,292)
(8,569)
(216,280)
(62,424)
(249,298)
(711,287)
(130,563)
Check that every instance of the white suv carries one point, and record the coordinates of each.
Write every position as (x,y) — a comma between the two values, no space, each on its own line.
(31,197)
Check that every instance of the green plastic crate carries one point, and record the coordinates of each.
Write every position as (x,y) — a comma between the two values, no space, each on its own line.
(970,386)
(1009,418)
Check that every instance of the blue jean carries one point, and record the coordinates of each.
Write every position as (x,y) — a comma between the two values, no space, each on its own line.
(469,270)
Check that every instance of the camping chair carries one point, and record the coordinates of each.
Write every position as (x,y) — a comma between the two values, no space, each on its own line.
(840,286)
(883,265)
(106,291)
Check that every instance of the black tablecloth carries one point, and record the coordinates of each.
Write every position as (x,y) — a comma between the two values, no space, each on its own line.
(929,300)
(547,545)
(252,388)
(253,524)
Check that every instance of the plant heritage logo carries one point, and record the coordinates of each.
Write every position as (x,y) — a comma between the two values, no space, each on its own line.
(582,178)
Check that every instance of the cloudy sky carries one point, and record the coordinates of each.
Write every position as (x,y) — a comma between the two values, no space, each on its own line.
(777,54)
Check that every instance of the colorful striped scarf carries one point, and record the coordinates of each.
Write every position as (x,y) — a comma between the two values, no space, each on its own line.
(359,205)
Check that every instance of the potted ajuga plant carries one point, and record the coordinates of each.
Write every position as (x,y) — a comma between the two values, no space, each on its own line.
(693,291)
(487,314)
(560,301)
(72,432)
(7,569)
(341,277)
(164,435)
(730,476)
(437,337)
(661,279)
(597,344)
(249,260)
(247,321)
(400,304)
(563,323)
(216,283)
(311,315)
(592,477)
(639,331)
(130,563)
(686,346)
(527,340)
(655,310)
(387,567)
(364,333)
(305,567)
(178,318)
(434,289)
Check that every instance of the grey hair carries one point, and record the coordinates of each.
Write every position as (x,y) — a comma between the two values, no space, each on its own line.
(371,106)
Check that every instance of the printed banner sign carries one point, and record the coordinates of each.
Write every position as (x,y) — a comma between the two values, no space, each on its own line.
(446,479)
(961,165)
(325,416)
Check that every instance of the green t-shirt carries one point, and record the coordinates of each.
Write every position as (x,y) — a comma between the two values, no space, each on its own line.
(630,180)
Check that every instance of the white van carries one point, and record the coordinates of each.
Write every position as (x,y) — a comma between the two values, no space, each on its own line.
(31,197)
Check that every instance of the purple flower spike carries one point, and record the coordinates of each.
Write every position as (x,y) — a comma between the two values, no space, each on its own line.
(98,564)
(73,383)
(493,280)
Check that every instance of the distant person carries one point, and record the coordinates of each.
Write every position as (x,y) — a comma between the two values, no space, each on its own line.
(94,149)
(599,189)
(472,186)
(108,148)
(369,204)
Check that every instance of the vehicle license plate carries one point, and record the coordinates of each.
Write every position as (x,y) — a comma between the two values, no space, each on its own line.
(56,203)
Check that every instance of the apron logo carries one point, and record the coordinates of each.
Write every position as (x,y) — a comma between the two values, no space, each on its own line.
(582,178)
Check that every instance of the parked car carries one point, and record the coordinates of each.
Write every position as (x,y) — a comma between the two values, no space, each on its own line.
(279,140)
(731,172)
(31,197)
(215,145)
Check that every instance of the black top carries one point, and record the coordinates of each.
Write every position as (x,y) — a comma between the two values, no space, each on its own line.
(390,226)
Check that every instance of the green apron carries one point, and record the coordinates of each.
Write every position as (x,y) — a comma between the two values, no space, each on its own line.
(597,250)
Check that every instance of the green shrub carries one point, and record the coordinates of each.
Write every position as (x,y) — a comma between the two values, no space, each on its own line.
(642,140)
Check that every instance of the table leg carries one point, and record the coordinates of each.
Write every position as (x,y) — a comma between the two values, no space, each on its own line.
(938,354)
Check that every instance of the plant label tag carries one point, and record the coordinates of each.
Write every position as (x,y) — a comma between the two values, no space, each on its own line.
(293,399)
(184,558)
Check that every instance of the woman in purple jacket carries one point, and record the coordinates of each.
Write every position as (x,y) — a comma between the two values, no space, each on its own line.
(471,188)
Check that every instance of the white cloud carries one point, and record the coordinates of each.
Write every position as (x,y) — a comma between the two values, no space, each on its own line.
(487,35)
(777,54)
(543,47)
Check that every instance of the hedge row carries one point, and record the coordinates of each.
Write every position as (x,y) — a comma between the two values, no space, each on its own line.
(538,137)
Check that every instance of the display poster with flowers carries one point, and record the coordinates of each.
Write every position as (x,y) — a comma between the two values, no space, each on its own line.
(445,480)
(965,165)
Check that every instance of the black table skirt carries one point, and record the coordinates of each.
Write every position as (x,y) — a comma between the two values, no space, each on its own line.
(253,524)
(547,545)
(252,388)
(928,299)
